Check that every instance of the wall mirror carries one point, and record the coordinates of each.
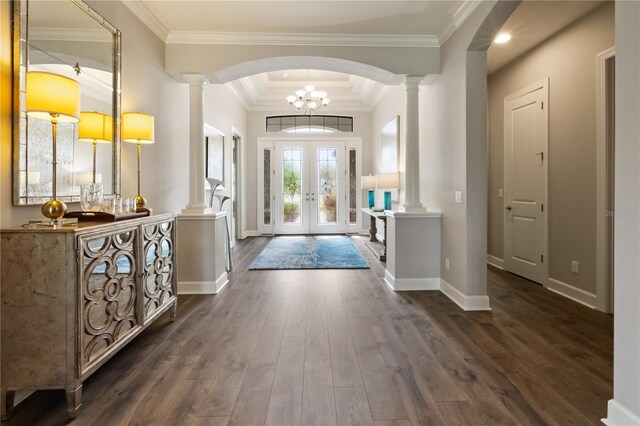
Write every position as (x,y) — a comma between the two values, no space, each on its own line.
(69,38)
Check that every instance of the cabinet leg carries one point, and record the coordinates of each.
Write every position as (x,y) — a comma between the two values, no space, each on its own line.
(8,398)
(373,230)
(74,397)
(173,310)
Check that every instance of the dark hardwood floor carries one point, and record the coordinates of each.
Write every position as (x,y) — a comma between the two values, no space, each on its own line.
(338,347)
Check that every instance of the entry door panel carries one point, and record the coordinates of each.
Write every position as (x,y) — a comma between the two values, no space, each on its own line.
(525,145)
(292,188)
(327,188)
(310,187)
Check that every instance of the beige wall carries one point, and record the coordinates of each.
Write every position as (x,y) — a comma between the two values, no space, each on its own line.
(256,128)
(568,59)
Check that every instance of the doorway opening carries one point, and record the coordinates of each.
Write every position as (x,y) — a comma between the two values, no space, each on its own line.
(308,185)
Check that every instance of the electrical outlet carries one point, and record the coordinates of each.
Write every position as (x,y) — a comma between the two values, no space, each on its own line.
(575,266)
(500,193)
(446,263)
(459,197)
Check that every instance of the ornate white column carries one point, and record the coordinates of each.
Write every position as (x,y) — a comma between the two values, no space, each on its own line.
(412,202)
(197,203)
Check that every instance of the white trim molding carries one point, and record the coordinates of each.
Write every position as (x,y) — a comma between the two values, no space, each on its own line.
(410,284)
(250,233)
(301,39)
(571,292)
(203,287)
(618,415)
(147,17)
(468,303)
(461,15)
(603,163)
(495,261)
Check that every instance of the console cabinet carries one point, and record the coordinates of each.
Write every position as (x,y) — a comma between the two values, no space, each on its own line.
(73,297)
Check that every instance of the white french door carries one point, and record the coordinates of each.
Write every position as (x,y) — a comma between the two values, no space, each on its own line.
(309,187)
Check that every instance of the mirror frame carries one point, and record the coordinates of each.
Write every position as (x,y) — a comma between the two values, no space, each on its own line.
(20,28)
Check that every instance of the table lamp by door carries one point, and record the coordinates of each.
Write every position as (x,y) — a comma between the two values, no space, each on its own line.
(369,182)
(388,181)
(138,128)
(54,98)
(96,128)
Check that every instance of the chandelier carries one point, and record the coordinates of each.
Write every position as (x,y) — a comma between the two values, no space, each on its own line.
(308,100)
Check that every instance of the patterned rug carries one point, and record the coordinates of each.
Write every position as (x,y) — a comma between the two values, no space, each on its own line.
(318,252)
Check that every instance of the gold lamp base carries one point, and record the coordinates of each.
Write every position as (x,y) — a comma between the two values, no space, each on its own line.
(54,209)
(140,202)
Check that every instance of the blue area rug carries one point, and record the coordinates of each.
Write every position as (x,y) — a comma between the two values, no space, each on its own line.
(320,252)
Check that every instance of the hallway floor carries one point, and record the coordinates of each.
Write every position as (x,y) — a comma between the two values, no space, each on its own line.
(337,346)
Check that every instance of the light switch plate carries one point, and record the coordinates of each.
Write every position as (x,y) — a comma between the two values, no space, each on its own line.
(575,266)
(459,197)
(500,193)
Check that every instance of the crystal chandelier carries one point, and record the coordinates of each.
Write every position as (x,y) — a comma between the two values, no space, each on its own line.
(308,100)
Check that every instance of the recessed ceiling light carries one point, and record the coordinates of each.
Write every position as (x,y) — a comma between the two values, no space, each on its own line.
(502,38)
(285,74)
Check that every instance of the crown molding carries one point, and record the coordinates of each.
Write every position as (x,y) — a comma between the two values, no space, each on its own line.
(236,95)
(71,34)
(460,15)
(147,17)
(291,39)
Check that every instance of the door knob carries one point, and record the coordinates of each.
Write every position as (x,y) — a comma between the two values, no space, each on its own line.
(508,208)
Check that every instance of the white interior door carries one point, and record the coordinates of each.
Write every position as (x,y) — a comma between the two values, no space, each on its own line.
(309,187)
(525,181)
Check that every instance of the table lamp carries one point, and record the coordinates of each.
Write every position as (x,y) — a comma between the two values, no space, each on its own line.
(369,182)
(138,128)
(97,128)
(55,98)
(387,181)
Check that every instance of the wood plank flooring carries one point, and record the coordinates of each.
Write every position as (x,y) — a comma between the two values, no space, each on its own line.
(338,348)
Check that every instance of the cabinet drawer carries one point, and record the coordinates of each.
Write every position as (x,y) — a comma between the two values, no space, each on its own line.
(108,270)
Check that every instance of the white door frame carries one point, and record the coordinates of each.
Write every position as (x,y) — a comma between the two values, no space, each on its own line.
(240,202)
(604,299)
(269,143)
(544,85)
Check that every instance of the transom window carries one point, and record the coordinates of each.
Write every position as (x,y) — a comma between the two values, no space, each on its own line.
(310,124)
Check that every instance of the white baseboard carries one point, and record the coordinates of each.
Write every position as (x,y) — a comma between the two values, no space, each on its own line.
(495,261)
(364,231)
(618,415)
(411,284)
(203,287)
(468,303)
(250,233)
(571,292)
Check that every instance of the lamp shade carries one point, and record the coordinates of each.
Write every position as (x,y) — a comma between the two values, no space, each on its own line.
(137,128)
(52,94)
(95,126)
(388,180)
(368,182)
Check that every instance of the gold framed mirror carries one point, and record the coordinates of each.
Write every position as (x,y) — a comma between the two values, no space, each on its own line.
(68,38)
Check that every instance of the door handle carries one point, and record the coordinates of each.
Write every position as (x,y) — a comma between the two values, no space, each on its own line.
(508,208)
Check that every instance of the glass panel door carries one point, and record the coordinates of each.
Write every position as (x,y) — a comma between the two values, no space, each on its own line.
(327,188)
(292,189)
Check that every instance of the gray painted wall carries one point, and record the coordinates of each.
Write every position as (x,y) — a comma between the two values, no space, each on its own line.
(568,59)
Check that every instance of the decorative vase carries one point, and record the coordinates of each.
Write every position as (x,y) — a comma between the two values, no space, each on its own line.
(387,200)
(372,199)
(91,196)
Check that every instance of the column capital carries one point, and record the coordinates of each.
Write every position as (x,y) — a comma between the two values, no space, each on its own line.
(195,79)
(413,81)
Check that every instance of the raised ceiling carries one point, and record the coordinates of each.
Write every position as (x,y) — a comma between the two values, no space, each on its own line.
(268,91)
(433,21)
(531,24)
